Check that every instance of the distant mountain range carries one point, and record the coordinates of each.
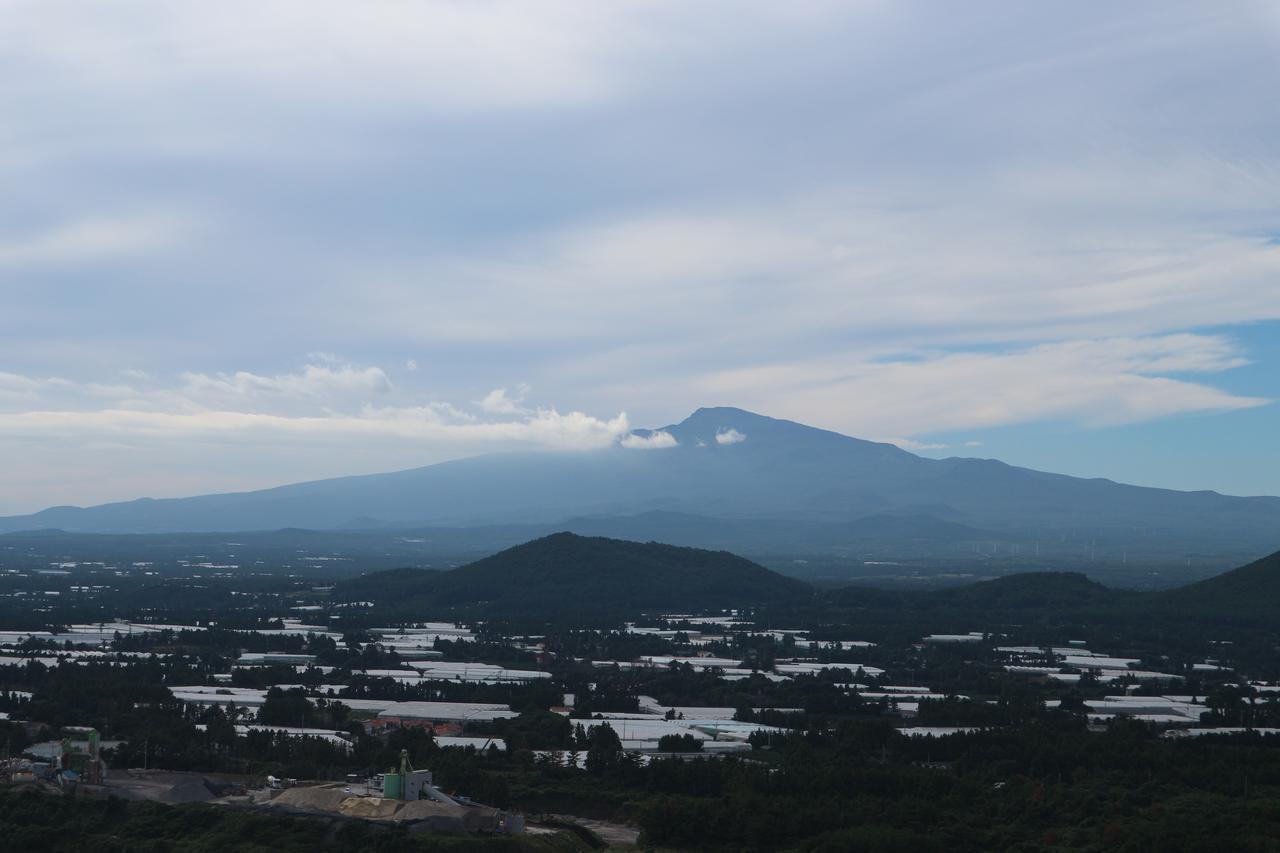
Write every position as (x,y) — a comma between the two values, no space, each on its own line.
(727,478)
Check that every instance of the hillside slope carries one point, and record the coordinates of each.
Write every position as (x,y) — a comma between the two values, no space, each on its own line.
(1247,594)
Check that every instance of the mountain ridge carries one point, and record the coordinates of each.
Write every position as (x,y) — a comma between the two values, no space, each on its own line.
(726,464)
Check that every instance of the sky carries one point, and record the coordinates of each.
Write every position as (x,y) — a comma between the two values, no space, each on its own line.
(251,243)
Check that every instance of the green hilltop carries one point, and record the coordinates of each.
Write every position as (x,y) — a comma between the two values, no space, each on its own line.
(566,575)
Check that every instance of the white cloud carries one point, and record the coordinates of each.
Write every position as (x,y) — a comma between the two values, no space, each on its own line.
(321,420)
(134,453)
(443,56)
(500,401)
(315,381)
(911,264)
(1091,382)
(546,428)
(914,445)
(973,444)
(1022,188)
(15,385)
(658,440)
(729,436)
(94,239)
(411,364)
(242,430)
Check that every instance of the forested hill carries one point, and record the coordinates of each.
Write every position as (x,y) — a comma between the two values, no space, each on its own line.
(1241,606)
(1248,593)
(569,575)
(1030,591)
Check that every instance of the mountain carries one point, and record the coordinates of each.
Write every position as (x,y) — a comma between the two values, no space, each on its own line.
(568,575)
(1032,591)
(728,478)
(780,467)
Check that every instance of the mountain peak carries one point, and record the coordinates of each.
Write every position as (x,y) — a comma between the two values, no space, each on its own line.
(731,415)
(722,425)
(724,412)
(729,425)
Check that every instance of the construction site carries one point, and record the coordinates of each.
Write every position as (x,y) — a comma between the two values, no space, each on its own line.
(402,796)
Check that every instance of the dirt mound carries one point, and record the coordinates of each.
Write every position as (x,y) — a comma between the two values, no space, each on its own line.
(423,814)
(314,798)
(191,790)
(370,807)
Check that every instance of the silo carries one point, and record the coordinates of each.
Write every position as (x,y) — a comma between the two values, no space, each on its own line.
(393,786)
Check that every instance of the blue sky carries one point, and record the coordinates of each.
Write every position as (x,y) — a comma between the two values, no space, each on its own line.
(243,244)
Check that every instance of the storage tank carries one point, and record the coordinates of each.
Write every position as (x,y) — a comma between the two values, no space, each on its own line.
(393,786)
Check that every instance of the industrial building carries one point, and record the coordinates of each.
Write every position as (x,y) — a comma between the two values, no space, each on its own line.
(402,795)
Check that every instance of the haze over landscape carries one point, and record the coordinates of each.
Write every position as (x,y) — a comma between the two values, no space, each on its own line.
(557,426)
(732,479)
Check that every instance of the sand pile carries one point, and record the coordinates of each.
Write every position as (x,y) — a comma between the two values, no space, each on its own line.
(370,807)
(423,814)
(313,798)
